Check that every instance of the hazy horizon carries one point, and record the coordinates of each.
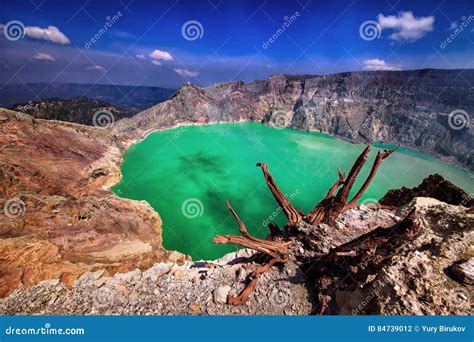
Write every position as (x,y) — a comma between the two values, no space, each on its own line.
(260,79)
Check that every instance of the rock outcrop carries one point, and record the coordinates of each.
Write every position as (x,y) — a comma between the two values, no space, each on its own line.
(434,186)
(58,217)
(428,110)
(418,280)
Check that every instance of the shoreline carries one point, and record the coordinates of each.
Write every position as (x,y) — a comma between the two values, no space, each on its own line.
(183,125)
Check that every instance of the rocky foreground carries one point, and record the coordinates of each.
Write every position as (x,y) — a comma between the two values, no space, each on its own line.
(433,274)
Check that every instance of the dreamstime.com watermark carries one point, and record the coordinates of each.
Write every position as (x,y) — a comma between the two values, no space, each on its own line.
(6,127)
(110,21)
(370,30)
(179,131)
(280,297)
(288,20)
(14,208)
(273,215)
(459,119)
(192,208)
(457,31)
(192,30)
(45,330)
(103,118)
(280,119)
(366,301)
(14,30)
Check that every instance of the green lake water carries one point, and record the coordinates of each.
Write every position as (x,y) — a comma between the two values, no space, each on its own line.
(187,173)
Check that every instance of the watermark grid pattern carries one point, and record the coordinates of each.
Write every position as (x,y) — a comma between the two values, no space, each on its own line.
(369,31)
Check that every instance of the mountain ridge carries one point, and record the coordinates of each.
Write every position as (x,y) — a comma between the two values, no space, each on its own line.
(407,108)
(81,110)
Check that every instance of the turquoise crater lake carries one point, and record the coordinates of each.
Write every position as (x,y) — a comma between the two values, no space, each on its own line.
(187,173)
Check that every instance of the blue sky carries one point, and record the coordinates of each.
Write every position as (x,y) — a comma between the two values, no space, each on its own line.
(147,43)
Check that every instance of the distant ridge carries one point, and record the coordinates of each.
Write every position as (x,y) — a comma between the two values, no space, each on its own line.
(79,110)
(130,98)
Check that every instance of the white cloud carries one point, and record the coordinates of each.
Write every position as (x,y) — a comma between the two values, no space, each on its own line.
(406,25)
(379,64)
(140,56)
(44,57)
(161,55)
(186,73)
(96,67)
(155,62)
(51,33)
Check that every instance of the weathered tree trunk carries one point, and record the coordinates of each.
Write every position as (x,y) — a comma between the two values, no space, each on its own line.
(359,258)
(364,252)
(276,250)
(294,217)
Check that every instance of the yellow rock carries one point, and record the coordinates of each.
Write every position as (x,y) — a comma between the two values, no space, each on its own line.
(195,307)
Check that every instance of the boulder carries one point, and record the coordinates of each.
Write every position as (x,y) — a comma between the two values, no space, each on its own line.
(220,294)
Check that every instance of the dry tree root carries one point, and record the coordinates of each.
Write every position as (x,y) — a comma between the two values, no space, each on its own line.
(294,217)
(355,260)
(247,291)
(276,250)
(374,246)
(332,206)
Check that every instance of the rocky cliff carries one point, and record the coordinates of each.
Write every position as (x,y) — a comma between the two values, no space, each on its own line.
(58,217)
(428,110)
(434,186)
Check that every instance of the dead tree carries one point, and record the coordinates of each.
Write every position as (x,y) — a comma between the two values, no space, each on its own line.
(375,245)
(331,206)
(360,257)
(277,252)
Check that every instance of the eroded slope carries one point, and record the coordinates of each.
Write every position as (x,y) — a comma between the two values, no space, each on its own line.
(59,219)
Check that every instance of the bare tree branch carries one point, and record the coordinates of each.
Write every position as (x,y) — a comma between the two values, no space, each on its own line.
(277,250)
(247,291)
(381,156)
(340,180)
(294,217)
(342,195)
